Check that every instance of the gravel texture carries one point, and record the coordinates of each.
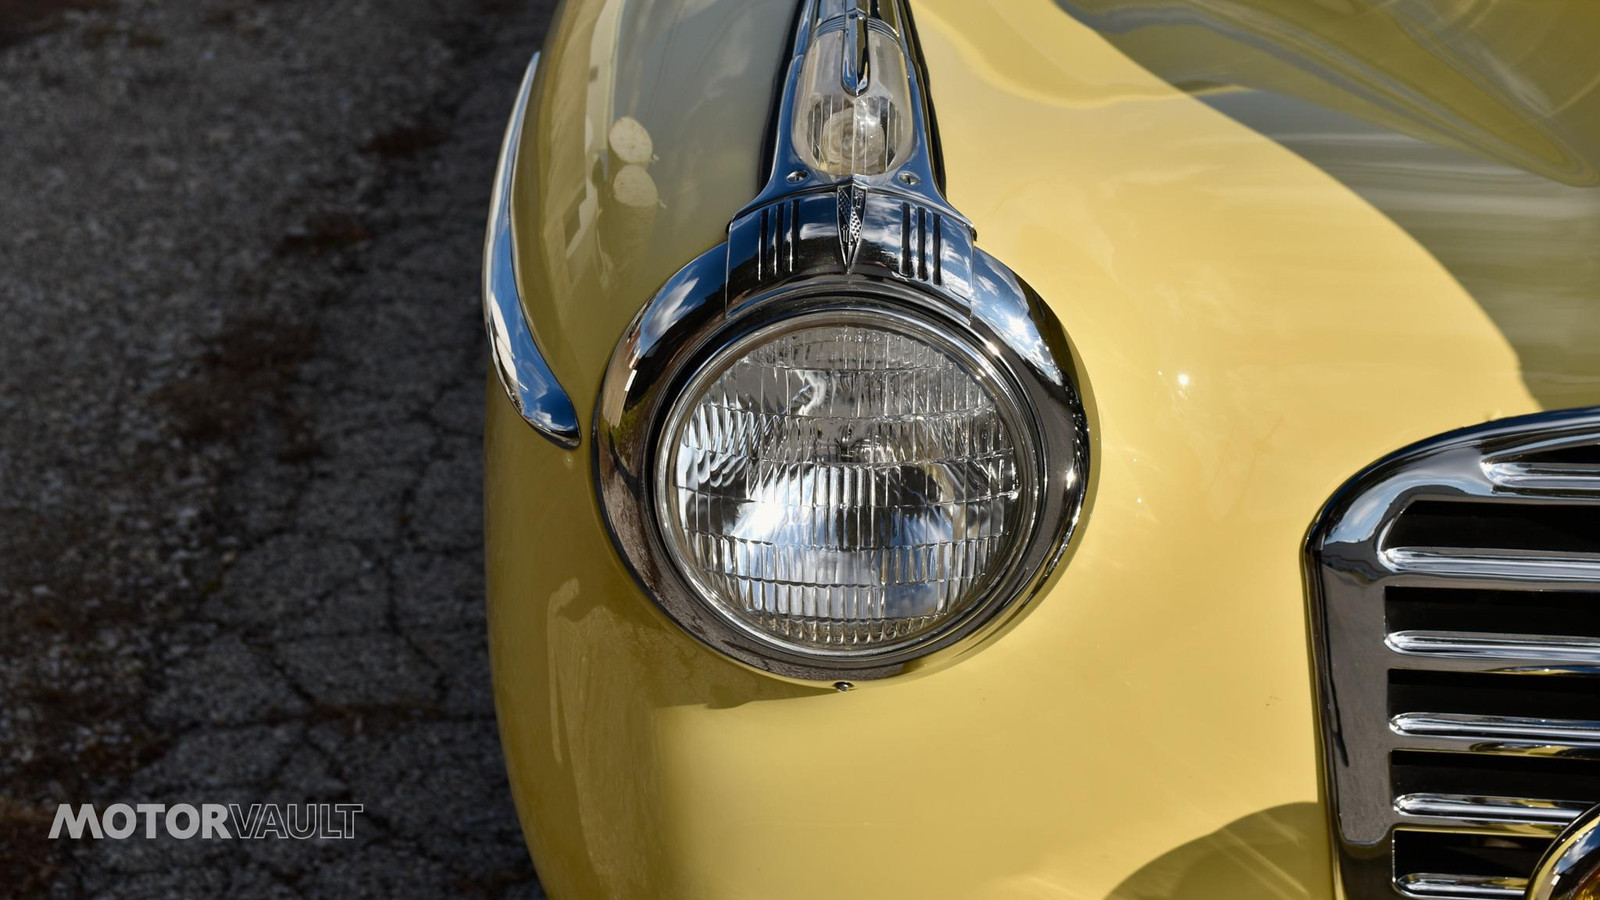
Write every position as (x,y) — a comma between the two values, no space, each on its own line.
(241,389)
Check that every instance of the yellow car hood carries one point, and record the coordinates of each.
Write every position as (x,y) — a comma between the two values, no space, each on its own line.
(1473,125)
(1269,285)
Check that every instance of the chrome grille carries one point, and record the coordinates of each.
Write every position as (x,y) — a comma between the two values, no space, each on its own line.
(1455,609)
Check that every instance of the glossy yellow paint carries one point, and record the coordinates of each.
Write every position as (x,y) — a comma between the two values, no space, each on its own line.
(1253,330)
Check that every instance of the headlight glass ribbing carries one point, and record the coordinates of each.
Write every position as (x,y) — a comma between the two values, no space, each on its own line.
(843,485)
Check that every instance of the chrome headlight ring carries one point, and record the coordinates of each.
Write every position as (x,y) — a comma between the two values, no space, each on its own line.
(883,248)
(644,383)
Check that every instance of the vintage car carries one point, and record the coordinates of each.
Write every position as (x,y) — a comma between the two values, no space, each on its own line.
(1050,449)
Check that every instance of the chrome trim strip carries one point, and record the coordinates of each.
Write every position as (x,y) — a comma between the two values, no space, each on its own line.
(1571,866)
(1462,886)
(1508,565)
(1515,729)
(856,60)
(1536,648)
(1523,470)
(1558,478)
(1494,813)
(522,369)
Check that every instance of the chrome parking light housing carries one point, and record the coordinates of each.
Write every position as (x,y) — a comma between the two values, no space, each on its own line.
(865,245)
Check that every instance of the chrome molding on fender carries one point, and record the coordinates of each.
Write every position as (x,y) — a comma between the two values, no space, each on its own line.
(1454,594)
(523,372)
(883,243)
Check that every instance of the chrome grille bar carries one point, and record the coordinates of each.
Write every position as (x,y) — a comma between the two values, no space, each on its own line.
(1534,816)
(1431,885)
(1496,647)
(1554,733)
(1558,478)
(1503,566)
(1506,513)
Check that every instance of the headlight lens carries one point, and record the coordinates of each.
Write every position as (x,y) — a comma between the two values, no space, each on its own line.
(865,132)
(844,482)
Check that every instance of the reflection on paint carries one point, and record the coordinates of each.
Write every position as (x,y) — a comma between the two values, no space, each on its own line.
(1472,125)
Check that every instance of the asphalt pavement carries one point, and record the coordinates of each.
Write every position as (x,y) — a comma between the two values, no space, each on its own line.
(241,387)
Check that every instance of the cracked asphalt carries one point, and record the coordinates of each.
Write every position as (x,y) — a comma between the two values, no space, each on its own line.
(241,388)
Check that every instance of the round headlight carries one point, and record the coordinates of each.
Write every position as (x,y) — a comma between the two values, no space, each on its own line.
(846,482)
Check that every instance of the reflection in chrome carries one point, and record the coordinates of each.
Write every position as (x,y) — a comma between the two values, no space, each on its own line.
(1497,565)
(851,227)
(1507,732)
(1570,869)
(1463,886)
(1545,477)
(1539,816)
(1545,469)
(1522,648)
(524,374)
(1408,689)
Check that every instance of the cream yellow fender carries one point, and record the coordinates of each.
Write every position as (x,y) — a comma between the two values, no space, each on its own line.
(1252,326)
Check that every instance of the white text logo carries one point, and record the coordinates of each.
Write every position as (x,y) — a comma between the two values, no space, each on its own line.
(208,821)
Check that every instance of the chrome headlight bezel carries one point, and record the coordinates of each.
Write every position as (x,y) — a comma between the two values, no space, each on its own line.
(812,245)
(1014,410)
(641,388)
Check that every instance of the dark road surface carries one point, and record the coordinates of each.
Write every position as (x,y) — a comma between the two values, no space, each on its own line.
(241,389)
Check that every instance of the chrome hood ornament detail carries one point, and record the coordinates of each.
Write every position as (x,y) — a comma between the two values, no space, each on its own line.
(852,202)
